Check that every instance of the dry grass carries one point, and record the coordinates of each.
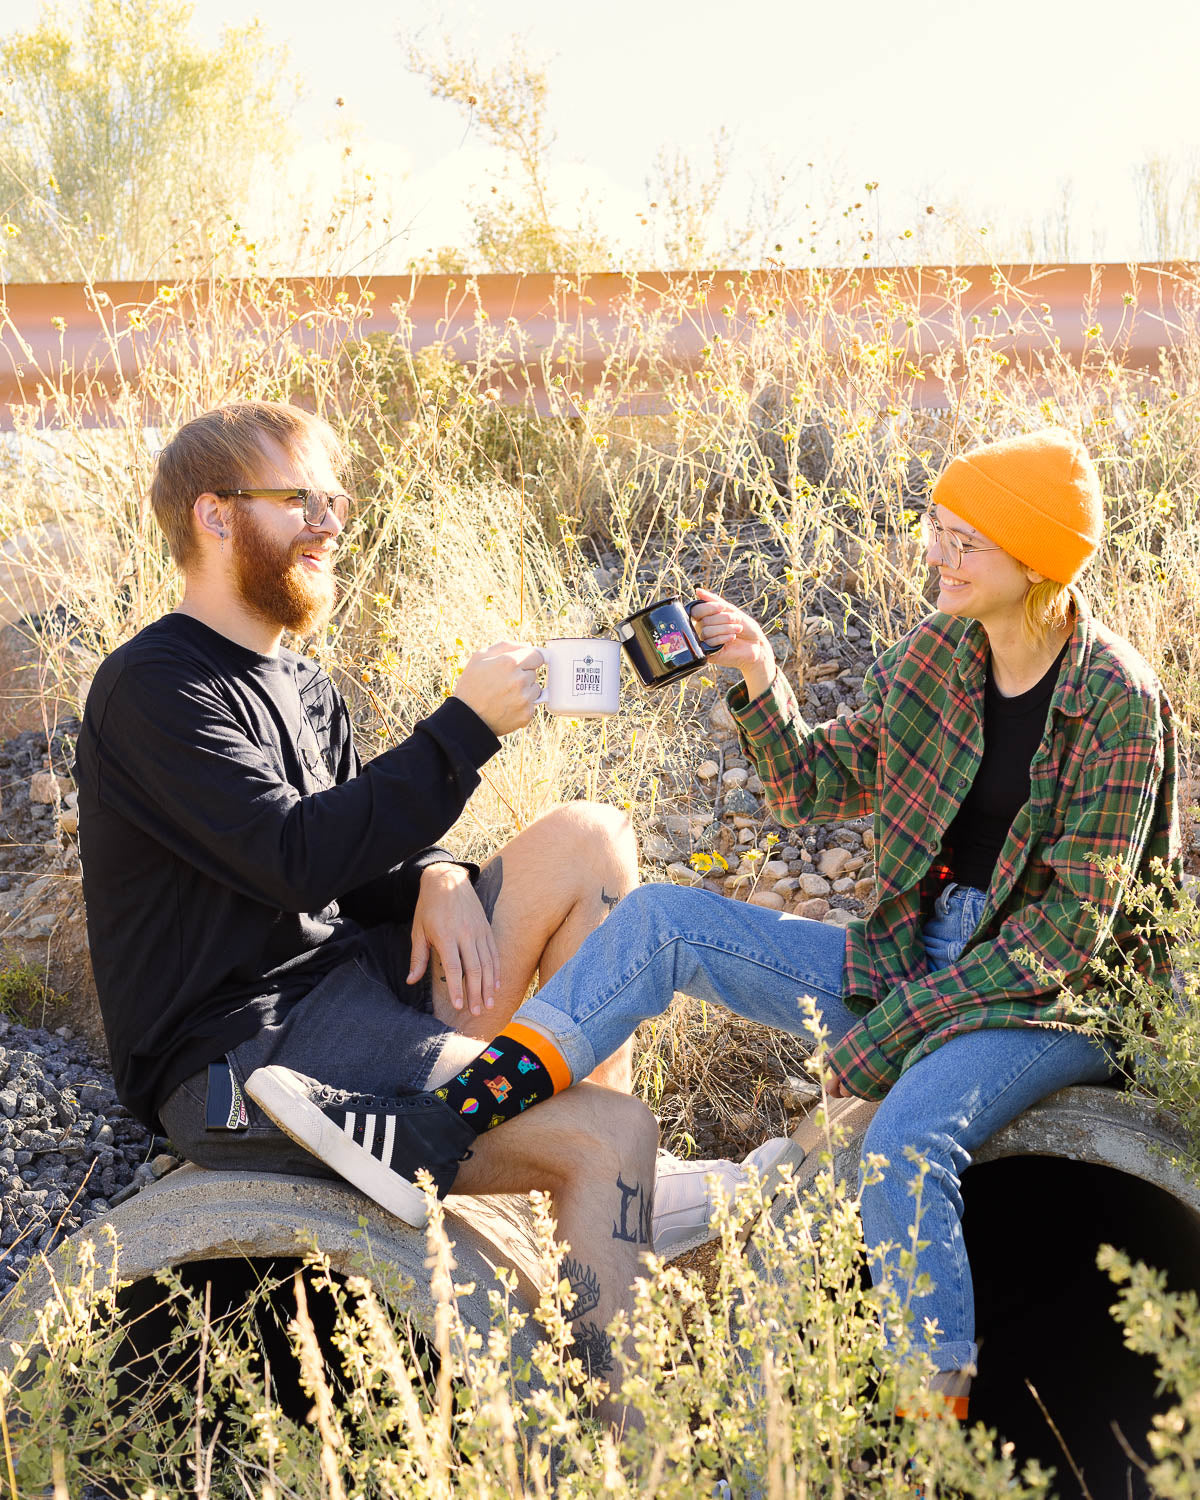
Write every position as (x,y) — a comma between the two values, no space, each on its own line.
(787,470)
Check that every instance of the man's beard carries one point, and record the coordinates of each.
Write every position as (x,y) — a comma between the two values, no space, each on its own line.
(273,583)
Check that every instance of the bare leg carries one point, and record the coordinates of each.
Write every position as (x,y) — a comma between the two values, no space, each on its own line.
(561,877)
(594,1153)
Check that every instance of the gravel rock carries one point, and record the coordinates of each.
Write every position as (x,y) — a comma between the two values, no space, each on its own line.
(738,776)
(657,848)
(707,769)
(815,908)
(739,800)
(838,917)
(77,1148)
(43,788)
(814,885)
(832,863)
(721,720)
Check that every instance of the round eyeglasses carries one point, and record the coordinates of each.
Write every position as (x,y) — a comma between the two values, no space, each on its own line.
(317,504)
(950,544)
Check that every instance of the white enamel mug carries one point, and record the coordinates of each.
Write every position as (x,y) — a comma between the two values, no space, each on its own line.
(582,677)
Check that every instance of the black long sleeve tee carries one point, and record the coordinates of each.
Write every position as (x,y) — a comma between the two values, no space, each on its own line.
(234,847)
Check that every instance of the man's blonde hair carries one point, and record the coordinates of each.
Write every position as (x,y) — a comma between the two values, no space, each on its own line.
(223,450)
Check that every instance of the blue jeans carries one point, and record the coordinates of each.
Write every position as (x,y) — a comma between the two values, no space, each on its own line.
(663,938)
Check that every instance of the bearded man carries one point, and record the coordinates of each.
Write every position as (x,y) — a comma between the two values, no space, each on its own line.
(261,902)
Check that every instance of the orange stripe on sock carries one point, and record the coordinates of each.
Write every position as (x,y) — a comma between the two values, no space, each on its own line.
(544,1050)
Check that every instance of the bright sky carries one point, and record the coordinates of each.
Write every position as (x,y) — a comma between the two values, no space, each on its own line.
(941,101)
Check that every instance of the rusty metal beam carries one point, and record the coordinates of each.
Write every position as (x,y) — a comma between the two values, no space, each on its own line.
(80,338)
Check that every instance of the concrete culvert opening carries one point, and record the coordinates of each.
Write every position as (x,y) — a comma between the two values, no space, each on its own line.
(239,1238)
(1087,1167)
(1033,1226)
(253,1301)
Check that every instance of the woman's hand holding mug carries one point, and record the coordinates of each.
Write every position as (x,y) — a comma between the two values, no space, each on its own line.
(743,644)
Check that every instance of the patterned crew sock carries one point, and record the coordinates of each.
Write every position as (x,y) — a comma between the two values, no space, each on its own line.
(518,1068)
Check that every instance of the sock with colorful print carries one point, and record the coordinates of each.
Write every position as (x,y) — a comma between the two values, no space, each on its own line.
(518,1068)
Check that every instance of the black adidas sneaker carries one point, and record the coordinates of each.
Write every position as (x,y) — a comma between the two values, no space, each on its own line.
(376,1144)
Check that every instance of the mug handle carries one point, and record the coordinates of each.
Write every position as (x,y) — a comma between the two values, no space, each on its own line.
(708,650)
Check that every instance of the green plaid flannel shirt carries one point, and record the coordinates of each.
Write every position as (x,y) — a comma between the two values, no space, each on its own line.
(1102,783)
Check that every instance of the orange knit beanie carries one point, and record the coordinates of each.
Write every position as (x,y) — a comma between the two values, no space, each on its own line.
(1036,495)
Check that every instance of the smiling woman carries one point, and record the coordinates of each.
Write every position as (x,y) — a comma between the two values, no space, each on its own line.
(1009,532)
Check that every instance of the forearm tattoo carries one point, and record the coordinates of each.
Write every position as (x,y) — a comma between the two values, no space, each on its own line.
(636,1212)
(585,1284)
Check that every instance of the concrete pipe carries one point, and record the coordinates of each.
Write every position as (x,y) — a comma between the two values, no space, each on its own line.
(1086,1167)
(232,1230)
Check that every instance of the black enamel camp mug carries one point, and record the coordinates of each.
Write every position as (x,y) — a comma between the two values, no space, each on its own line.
(661,641)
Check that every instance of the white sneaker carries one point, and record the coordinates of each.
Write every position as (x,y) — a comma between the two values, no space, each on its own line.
(685,1191)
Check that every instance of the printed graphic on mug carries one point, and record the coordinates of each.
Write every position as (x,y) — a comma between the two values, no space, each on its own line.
(670,643)
(589,678)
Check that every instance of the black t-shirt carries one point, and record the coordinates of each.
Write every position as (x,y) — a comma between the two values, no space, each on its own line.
(233,846)
(1012,731)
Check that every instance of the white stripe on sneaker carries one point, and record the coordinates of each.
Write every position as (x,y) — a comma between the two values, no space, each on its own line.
(368,1139)
(284,1099)
(389,1135)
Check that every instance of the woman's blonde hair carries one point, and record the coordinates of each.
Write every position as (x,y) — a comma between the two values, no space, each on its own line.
(1047,606)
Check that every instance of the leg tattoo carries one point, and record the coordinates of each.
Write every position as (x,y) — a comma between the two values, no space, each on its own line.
(584,1283)
(635,1207)
(609,901)
(592,1347)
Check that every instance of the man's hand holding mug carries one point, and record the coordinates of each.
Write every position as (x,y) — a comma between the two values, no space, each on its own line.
(500,683)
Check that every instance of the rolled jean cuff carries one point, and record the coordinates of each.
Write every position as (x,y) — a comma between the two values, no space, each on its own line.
(959,1354)
(577,1051)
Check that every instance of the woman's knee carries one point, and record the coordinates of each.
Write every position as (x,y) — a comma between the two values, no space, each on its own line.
(668,911)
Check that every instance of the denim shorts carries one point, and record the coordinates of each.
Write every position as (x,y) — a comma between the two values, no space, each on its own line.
(362,1028)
